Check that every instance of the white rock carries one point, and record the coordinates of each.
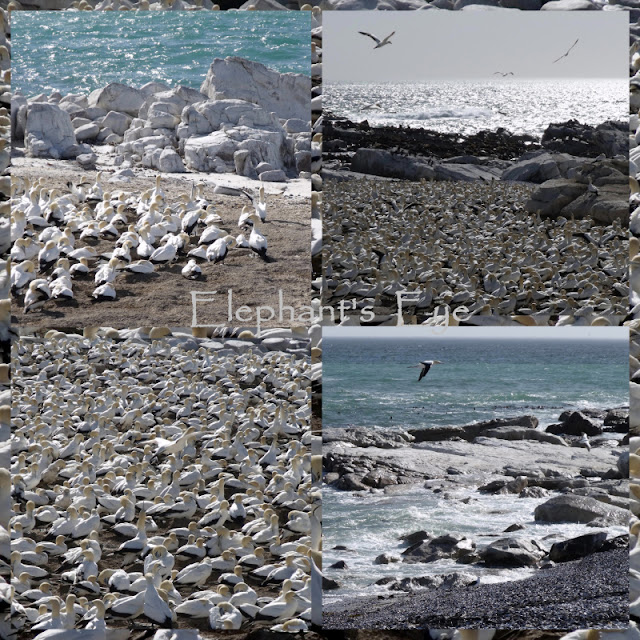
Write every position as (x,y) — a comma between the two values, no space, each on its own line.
(286,94)
(273,176)
(117,97)
(87,132)
(49,132)
(116,121)
(170,162)
(295,125)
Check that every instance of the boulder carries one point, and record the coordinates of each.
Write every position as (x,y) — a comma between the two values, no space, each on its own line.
(116,121)
(550,198)
(385,558)
(511,552)
(533,492)
(608,138)
(464,172)
(471,431)
(172,102)
(581,509)
(538,167)
(286,94)
(274,175)
(87,132)
(577,547)
(575,424)
(523,433)
(117,97)
(351,482)
(623,464)
(87,160)
(49,132)
(416,536)
(378,162)
(446,546)
(617,420)
(444,581)
(170,162)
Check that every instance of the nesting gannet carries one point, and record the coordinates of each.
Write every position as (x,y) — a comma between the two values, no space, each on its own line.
(191,270)
(379,43)
(218,251)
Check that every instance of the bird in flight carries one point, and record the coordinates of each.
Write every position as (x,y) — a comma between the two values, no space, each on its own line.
(564,55)
(425,365)
(502,73)
(379,43)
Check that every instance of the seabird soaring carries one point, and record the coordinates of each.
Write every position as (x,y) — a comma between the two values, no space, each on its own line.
(426,365)
(564,55)
(379,43)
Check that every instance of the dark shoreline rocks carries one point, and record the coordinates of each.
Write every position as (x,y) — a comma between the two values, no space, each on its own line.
(592,592)
(342,135)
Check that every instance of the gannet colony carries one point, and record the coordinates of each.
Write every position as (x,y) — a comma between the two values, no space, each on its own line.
(124,238)
(467,244)
(163,480)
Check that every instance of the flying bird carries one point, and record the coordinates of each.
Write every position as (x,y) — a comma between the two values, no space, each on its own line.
(379,43)
(425,365)
(503,73)
(564,55)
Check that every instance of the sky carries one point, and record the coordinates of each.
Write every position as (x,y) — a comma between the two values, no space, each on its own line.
(522,333)
(473,45)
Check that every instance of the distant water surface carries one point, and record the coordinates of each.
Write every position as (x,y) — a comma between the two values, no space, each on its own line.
(367,382)
(466,106)
(77,52)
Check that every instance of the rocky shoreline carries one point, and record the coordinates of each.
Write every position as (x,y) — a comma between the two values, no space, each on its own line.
(567,158)
(245,119)
(574,479)
(548,600)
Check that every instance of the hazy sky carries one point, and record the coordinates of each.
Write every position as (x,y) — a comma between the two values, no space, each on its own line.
(478,333)
(474,44)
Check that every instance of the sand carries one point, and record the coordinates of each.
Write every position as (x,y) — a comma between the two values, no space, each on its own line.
(164,297)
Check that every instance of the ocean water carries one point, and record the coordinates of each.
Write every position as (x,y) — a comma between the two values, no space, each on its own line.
(367,382)
(77,52)
(466,106)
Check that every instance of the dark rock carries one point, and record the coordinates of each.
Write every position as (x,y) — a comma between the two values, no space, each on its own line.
(575,424)
(502,487)
(533,492)
(341,564)
(340,547)
(577,547)
(416,536)
(447,546)
(514,527)
(329,584)
(572,508)
(351,482)
(385,580)
(619,542)
(471,431)
(510,552)
(385,558)
(617,419)
(610,138)
(379,479)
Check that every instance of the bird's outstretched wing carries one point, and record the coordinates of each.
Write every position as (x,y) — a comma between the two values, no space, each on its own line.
(564,55)
(425,370)
(364,33)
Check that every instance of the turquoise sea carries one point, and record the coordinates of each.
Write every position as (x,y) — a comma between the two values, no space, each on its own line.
(77,52)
